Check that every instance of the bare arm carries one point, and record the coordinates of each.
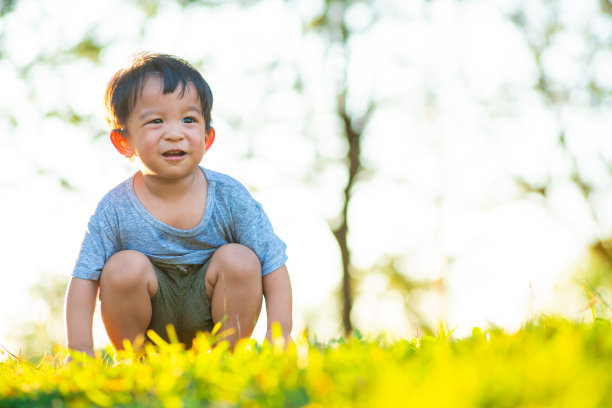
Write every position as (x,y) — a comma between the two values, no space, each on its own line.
(79,309)
(277,291)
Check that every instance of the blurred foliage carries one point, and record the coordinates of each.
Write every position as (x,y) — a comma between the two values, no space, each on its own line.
(606,6)
(411,290)
(88,48)
(6,6)
(548,363)
(69,115)
(151,7)
(595,277)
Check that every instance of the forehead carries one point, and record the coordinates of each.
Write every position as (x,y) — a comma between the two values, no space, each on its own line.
(153,90)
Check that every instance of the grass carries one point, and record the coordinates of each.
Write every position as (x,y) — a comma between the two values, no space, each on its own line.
(551,363)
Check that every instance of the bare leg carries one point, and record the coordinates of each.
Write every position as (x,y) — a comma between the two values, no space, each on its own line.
(127,283)
(234,286)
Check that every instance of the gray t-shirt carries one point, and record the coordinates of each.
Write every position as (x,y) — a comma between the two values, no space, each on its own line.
(232,216)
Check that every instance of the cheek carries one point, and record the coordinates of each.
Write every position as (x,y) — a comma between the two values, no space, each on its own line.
(149,143)
(197,139)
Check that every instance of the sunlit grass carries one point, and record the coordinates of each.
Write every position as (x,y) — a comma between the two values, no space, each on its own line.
(551,363)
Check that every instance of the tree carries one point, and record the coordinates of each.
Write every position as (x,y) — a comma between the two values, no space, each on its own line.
(332,25)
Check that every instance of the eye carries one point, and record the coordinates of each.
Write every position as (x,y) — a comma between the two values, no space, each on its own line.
(155,121)
(189,120)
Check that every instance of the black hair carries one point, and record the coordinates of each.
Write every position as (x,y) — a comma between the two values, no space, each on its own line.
(125,87)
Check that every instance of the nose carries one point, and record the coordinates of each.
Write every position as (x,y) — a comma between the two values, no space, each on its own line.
(174,132)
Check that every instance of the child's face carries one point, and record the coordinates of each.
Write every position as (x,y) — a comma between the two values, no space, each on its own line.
(167,132)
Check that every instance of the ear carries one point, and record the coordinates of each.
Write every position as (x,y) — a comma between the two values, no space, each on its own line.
(120,142)
(209,139)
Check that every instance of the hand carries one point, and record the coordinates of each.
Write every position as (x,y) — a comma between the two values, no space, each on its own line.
(277,291)
(286,335)
(88,351)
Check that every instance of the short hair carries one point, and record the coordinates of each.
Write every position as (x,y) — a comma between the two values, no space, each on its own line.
(125,87)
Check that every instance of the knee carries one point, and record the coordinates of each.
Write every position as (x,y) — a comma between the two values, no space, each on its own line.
(125,270)
(237,262)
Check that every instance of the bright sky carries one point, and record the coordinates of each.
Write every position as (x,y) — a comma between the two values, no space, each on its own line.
(439,184)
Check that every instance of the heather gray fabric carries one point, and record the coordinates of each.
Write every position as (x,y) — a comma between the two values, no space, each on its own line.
(121,222)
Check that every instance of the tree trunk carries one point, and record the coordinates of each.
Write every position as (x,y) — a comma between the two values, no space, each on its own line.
(353,136)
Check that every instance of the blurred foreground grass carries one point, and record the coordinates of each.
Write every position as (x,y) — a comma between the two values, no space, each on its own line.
(551,363)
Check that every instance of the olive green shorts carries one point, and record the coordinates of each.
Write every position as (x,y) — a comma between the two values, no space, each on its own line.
(181,301)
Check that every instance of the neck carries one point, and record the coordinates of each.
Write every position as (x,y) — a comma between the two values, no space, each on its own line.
(168,189)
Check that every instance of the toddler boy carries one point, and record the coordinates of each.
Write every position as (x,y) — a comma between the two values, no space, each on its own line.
(176,243)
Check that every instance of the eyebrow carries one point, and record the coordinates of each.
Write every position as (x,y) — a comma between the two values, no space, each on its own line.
(148,112)
(196,108)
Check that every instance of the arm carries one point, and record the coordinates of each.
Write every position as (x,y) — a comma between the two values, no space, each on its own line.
(79,309)
(277,291)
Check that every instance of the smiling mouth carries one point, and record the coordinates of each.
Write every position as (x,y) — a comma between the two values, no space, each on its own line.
(174,153)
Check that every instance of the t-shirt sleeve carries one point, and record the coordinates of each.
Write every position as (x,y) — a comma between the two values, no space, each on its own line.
(253,229)
(98,245)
